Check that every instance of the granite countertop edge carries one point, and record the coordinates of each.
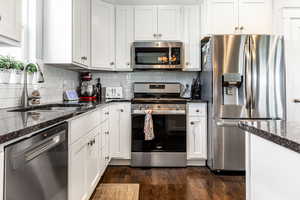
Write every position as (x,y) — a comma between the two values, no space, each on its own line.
(284,142)
(7,137)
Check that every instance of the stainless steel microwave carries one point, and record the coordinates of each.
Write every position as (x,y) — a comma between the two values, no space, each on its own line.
(157,55)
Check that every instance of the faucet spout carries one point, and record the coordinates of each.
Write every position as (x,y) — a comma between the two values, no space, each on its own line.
(25,97)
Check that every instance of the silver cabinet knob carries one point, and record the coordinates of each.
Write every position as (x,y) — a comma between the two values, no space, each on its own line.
(241,28)
(187,63)
(197,111)
(83,58)
(106,157)
(160,35)
(112,63)
(121,110)
(128,63)
(107,113)
(192,123)
(236,28)
(107,132)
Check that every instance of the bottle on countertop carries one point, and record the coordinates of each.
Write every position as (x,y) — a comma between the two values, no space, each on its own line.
(99,90)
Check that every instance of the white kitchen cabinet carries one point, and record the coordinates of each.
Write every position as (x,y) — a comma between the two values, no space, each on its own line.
(10,22)
(267,174)
(157,22)
(81,32)
(66,33)
(106,143)
(239,16)
(77,170)
(103,35)
(196,131)
(191,37)
(222,16)
(145,22)
(93,159)
(120,130)
(291,31)
(124,37)
(169,22)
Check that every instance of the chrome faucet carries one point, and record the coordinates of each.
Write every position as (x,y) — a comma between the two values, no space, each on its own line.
(25,98)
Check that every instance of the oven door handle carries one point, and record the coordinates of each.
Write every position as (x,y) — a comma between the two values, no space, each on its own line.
(160,112)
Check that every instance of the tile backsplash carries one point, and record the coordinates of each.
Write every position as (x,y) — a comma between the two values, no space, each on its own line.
(56,81)
(126,79)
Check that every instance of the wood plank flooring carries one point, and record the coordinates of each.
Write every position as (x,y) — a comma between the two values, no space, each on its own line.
(193,183)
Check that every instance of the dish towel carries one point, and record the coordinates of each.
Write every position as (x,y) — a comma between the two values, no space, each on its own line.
(148,126)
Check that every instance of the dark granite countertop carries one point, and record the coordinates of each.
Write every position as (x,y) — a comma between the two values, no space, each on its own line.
(286,134)
(14,125)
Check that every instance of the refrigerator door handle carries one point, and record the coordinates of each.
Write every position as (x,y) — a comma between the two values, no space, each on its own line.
(253,83)
(248,75)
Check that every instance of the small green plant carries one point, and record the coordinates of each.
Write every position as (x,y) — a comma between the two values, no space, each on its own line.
(7,62)
(31,68)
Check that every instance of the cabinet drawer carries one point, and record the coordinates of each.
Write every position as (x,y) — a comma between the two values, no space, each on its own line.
(104,114)
(81,126)
(196,109)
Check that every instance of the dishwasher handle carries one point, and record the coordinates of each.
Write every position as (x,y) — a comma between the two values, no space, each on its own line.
(45,146)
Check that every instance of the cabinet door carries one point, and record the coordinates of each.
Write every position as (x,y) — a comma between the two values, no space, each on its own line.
(11,19)
(77,178)
(291,29)
(197,138)
(105,143)
(255,16)
(120,131)
(124,37)
(92,158)
(191,16)
(81,32)
(169,22)
(103,35)
(145,22)
(223,16)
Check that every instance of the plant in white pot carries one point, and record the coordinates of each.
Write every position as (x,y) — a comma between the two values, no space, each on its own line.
(17,68)
(5,69)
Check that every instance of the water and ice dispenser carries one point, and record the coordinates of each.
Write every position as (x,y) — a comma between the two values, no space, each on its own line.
(232,88)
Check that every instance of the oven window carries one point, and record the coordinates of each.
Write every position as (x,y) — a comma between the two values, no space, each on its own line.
(175,56)
(169,130)
(152,56)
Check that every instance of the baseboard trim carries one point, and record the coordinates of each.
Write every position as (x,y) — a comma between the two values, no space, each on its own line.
(119,162)
(196,163)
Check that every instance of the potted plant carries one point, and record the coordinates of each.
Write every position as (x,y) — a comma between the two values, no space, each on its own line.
(5,69)
(31,70)
(16,68)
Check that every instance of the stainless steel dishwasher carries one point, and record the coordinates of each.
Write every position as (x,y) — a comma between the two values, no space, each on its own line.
(36,168)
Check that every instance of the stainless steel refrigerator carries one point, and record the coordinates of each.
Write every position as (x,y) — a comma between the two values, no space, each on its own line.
(243,78)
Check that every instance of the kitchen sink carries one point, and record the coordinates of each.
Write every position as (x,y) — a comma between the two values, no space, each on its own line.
(49,108)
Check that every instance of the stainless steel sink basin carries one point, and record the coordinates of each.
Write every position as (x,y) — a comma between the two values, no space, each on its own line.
(49,108)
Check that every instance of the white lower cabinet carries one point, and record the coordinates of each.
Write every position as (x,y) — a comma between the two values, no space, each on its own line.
(120,127)
(196,132)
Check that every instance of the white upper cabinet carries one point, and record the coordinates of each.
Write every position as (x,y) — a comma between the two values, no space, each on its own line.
(66,32)
(103,35)
(81,32)
(169,22)
(223,16)
(157,22)
(10,22)
(124,37)
(239,16)
(145,22)
(255,16)
(191,37)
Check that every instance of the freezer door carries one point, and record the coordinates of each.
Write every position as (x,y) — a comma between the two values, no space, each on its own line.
(227,145)
(231,62)
(268,77)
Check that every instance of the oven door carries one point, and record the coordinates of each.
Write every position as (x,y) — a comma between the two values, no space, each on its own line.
(169,131)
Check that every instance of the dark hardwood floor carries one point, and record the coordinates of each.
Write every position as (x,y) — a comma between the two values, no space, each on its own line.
(193,183)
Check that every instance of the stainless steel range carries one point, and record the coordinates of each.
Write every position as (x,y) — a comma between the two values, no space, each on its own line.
(168,148)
